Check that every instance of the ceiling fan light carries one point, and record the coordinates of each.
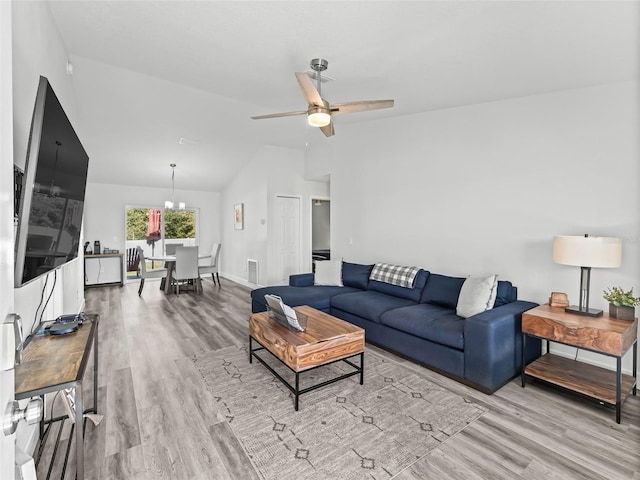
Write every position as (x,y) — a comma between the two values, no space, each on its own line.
(318,116)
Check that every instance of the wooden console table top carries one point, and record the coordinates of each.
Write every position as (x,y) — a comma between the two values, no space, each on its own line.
(51,361)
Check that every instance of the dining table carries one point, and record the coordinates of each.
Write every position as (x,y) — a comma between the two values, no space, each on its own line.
(170,264)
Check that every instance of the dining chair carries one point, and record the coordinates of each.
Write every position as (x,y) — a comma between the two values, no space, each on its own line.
(133,261)
(212,267)
(186,269)
(144,273)
(170,248)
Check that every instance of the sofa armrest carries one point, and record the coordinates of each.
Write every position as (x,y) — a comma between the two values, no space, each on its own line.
(493,345)
(301,280)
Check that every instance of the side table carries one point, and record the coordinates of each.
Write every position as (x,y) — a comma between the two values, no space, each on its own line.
(603,335)
(53,363)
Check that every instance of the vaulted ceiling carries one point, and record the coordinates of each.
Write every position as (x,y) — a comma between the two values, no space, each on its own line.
(149,73)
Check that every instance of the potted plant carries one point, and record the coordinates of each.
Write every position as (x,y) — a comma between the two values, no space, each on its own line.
(621,304)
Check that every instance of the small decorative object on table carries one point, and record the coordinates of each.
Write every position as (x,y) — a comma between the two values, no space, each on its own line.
(559,299)
(621,304)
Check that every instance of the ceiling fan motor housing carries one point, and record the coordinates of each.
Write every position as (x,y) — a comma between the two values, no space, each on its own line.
(319,64)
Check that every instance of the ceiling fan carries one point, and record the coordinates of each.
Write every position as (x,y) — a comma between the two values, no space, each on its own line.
(320,111)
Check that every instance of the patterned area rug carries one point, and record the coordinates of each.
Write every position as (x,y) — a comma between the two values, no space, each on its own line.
(344,430)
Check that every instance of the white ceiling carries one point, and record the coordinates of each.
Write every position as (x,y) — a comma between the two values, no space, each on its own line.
(148,73)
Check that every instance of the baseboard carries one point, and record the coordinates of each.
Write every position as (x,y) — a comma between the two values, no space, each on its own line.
(241,281)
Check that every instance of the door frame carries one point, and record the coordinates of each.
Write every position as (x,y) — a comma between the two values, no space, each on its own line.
(7,238)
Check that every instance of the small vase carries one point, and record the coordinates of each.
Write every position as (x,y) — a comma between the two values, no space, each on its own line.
(622,313)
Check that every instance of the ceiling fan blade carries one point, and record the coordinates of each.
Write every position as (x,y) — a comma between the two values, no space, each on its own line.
(276,115)
(361,106)
(308,89)
(328,129)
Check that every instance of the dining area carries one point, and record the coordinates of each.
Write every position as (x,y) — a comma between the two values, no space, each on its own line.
(182,268)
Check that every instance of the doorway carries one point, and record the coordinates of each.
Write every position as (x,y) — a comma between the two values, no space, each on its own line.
(153,228)
(320,231)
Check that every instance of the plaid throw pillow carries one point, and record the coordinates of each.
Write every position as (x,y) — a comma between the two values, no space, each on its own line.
(394,274)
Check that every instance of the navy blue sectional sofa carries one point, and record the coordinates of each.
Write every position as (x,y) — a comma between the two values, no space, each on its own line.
(420,323)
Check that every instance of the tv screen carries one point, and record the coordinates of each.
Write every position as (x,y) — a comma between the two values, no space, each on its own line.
(52,198)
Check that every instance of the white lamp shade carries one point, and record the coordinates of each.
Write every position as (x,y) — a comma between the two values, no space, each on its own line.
(598,252)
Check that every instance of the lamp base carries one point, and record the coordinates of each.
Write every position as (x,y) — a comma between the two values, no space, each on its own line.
(587,312)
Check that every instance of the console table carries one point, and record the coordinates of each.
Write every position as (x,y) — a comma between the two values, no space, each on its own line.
(603,335)
(52,363)
(104,269)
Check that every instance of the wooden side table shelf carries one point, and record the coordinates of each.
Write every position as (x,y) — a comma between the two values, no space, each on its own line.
(53,363)
(603,335)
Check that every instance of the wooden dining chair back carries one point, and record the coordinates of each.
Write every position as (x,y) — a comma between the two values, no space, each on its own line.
(133,260)
(212,267)
(186,270)
(144,273)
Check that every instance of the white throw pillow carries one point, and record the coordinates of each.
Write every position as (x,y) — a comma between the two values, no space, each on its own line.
(328,272)
(477,295)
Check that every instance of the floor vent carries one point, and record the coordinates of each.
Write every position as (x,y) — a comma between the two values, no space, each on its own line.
(252,271)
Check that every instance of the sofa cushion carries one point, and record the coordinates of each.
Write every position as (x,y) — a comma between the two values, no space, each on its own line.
(432,322)
(328,272)
(506,293)
(301,280)
(442,290)
(402,292)
(369,305)
(356,275)
(477,295)
(318,296)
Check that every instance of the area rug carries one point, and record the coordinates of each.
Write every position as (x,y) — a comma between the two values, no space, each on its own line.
(345,430)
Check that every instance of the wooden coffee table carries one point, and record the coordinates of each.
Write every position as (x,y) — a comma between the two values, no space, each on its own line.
(326,340)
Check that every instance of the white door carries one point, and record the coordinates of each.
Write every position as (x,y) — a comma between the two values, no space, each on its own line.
(288,237)
(7,443)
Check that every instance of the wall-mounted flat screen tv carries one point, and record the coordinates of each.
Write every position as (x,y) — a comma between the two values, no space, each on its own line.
(52,197)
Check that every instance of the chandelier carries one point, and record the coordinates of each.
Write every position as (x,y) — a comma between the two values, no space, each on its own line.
(169,204)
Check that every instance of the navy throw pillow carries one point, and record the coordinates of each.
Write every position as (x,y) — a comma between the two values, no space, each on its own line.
(505,293)
(442,290)
(356,275)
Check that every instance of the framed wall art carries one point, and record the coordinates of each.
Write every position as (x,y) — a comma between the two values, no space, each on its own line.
(238,216)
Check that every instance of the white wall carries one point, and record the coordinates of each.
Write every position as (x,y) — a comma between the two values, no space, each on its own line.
(483,189)
(271,172)
(104,217)
(39,50)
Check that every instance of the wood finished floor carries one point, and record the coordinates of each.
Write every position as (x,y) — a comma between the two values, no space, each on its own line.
(160,422)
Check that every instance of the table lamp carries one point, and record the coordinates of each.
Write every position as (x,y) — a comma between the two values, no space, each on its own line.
(587,252)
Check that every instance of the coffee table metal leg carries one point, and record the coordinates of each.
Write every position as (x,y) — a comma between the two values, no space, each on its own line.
(250,349)
(362,368)
(297,392)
